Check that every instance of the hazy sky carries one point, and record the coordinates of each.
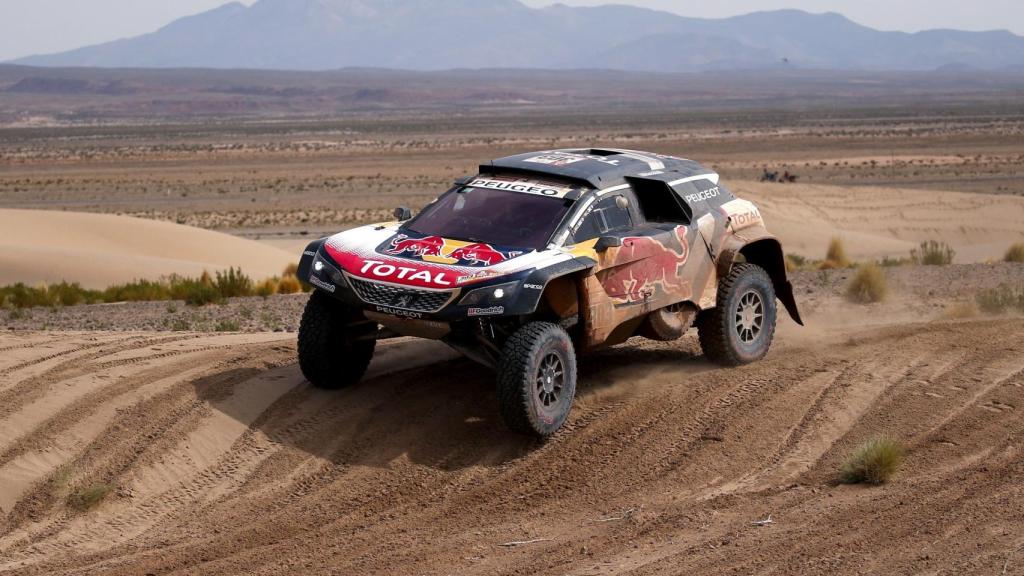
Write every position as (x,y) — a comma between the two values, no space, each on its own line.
(43,26)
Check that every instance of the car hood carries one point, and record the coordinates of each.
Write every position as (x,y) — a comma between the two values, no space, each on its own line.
(384,254)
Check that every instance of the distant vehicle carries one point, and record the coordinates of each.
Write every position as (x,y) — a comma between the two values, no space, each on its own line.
(542,255)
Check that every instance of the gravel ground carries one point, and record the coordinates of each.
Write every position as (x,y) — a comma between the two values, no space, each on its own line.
(924,287)
(279,313)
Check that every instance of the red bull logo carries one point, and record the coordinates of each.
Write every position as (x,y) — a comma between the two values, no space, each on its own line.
(441,251)
(479,255)
(420,247)
(642,265)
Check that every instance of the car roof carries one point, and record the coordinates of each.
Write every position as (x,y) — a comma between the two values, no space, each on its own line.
(597,167)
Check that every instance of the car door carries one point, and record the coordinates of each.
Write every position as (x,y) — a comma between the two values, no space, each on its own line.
(642,264)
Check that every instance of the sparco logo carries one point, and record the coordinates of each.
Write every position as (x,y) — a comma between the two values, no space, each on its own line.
(384,270)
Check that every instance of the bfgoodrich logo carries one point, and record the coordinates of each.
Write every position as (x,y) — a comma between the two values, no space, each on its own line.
(321,284)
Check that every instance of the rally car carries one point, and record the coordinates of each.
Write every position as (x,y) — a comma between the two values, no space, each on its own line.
(543,255)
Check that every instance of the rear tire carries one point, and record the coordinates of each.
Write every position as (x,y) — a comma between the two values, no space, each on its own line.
(330,355)
(740,328)
(537,379)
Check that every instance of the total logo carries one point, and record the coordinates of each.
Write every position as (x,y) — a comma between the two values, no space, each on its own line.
(741,214)
(385,270)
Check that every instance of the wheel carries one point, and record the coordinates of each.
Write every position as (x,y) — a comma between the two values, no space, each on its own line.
(740,328)
(537,379)
(330,354)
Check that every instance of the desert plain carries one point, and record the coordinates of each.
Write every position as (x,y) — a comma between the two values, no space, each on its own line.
(143,438)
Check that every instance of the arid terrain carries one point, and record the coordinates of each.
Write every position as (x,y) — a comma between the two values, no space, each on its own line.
(160,438)
(221,459)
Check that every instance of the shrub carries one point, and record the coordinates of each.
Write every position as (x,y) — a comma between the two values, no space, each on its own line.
(227,326)
(889,262)
(267,288)
(21,296)
(933,253)
(194,292)
(289,285)
(873,462)
(796,262)
(180,324)
(835,257)
(291,270)
(233,283)
(868,285)
(62,294)
(65,294)
(1015,253)
(89,497)
(137,291)
(998,300)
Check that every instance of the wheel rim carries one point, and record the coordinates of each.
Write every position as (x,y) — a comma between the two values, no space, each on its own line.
(550,380)
(749,316)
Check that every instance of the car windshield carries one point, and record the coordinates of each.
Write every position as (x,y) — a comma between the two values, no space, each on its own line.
(499,217)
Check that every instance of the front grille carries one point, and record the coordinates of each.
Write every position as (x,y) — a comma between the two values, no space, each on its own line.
(402,297)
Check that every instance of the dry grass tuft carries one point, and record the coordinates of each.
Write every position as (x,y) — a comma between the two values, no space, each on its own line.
(933,253)
(997,300)
(289,285)
(835,257)
(868,285)
(268,287)
(1015,253)
(88,497)
(291,270)
(874,462)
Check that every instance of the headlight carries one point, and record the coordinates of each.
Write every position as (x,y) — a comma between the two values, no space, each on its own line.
(323,268)
(490,295)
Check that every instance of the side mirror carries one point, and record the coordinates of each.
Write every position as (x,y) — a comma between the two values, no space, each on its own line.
(402,213)
(606,242)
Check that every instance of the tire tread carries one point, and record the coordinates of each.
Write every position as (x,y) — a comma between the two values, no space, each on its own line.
(714,327)
(321,343)
(515,368)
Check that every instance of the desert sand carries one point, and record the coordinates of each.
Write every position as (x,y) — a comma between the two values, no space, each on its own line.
(221,459)
(211,455)
(98,250)
(875,222)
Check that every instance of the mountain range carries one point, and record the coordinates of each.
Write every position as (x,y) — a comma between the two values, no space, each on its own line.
(450,34)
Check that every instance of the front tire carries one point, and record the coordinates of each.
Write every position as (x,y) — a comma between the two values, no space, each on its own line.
(334,348)
(537,379)
(740,328)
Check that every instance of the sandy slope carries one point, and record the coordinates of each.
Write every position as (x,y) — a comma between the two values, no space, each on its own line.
(223,461)
(876,222)
(98,250)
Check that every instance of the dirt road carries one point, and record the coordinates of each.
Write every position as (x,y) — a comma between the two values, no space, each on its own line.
(221,460)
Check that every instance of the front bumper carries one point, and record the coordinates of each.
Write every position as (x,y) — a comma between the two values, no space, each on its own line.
(401,301)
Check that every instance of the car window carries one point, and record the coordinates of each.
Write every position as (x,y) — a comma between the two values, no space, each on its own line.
(604,218)
(510,219)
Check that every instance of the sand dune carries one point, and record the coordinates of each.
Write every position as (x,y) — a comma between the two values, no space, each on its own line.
(98,249)
(876,222)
